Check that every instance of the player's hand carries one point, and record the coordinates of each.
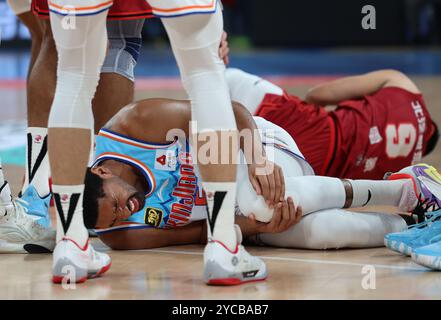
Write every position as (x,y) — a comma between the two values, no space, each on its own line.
(285,216)
(268,181)
(224,50)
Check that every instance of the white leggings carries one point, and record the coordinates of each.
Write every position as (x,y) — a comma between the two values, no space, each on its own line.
(81,48)
(319,229)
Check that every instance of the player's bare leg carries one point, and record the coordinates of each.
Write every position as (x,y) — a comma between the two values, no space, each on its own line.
(36,31)
(105,104)
(116,86)
(36,197)
(195,40)
(81,51)
(41,87)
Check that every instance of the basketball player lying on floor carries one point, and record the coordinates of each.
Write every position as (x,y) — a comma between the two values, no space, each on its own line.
(143,190)
(381,123)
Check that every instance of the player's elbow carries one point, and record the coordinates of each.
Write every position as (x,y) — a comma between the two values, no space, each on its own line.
(310,96)
(121,240)
(315,95)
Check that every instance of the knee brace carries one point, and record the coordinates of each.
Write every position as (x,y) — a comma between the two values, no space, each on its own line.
(195,41)
(19,6)
(125,42)
(81,53)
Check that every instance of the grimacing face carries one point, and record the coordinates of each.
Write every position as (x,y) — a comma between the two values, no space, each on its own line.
(121,200)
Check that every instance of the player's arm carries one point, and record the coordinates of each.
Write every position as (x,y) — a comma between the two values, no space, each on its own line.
(149,238)
(265,176)
(333,92)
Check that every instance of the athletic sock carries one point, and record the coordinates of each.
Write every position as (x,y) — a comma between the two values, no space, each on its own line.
(371,192)
(221,198)
(5,193)
(37,165)
(69,205)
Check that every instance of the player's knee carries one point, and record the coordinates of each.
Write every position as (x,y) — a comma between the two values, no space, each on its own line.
(125,42)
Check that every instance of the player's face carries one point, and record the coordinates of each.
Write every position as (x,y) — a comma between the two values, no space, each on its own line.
(121,200)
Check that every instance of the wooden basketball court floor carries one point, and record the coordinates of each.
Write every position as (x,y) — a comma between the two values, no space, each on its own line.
(176,272)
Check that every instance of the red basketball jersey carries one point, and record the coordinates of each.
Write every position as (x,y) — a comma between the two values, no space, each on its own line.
(362,138)
(379,133)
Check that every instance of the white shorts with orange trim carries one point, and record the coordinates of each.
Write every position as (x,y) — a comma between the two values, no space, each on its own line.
(176,8)
(79,7)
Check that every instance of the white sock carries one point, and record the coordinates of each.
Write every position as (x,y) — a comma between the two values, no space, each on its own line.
(371,192)
(221,198)
(37,163)
(69,205)
(5,193)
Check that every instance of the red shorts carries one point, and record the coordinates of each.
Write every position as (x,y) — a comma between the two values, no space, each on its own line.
(120,10)
(362,138)
(309,125)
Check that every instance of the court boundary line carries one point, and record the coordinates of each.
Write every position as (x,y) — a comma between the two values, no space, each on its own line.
(291,259)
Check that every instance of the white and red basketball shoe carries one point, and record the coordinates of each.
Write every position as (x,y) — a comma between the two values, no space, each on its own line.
(19,231)
(225,267)
(73,264)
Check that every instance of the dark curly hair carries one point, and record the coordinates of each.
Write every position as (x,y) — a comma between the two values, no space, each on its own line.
(93,191)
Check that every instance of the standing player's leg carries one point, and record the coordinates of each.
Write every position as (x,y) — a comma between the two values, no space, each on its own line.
(195,36)
(81,51)
(22,9)
(41,88)
(35,190)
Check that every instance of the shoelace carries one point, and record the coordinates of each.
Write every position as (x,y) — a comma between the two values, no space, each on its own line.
(21,214)
(425,206)
(434,216)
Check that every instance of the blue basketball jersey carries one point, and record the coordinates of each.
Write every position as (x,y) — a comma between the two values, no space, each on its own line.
(174,196)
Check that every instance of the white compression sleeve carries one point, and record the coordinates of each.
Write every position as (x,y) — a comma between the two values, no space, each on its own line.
(195,41)
(81,52)
(337,228)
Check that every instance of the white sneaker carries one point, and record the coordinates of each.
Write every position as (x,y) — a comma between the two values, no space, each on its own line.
(73,264)
(225,267)
(20,233)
